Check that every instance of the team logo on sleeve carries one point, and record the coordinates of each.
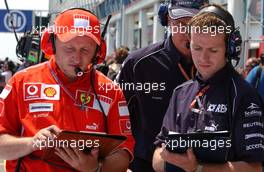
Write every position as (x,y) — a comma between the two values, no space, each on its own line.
(36,91)
(125,126)
(122,109)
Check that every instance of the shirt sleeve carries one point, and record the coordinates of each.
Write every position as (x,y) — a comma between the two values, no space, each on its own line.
(119,122)
(9,115)
(125,79)
(248,136)
(169,123)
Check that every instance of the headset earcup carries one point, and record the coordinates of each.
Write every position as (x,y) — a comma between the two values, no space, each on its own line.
(234,44)
(163,12)
(47,43)
(100,57)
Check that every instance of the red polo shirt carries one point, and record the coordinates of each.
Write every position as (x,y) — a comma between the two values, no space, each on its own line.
(35,99)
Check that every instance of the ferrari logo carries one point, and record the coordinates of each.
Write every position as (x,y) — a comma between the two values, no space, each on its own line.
(84,98)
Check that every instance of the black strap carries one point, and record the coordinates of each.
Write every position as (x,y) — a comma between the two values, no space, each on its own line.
(258,77)
(92,82)
(18,165)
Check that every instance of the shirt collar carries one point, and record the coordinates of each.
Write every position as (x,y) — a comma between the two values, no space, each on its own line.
(219,77)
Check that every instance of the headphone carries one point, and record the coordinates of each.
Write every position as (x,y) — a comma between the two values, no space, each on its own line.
(163,13)
(234,39)
(48,42)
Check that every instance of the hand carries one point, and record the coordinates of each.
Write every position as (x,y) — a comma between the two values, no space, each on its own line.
(186,161)
(44,136)
(78,159)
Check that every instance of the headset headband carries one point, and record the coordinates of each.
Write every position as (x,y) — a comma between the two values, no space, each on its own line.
(225,16)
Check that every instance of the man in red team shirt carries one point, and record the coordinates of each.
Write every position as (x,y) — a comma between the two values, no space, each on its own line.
(42,100)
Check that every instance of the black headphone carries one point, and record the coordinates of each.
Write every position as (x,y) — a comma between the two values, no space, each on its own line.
(163,12)
(234,39)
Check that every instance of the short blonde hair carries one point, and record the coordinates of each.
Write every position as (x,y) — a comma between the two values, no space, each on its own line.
(210,20)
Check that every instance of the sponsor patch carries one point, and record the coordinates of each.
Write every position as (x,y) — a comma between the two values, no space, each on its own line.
(254,135)
(218,108)
(81,21)
(5,91)
(88,100)
(255,146)
(122,109)
(50,92)
(253,113)
(40,107)
(84,98)
(94,126)
(37,91)
(125,126)
(253,124)
(253,106)
(105,102)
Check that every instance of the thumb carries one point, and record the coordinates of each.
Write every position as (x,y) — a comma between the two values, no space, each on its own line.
(190,154)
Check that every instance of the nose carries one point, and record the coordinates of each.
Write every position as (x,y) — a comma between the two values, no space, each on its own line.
(204,56)
(77,58)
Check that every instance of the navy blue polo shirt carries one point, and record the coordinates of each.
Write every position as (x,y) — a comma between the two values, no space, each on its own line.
(155,65)
(227,94)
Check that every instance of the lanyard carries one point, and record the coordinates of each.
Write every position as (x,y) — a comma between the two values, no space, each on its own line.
(67,91)
(185,73)
(198,101)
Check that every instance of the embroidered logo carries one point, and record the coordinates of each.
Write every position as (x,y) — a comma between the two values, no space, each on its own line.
(50,92)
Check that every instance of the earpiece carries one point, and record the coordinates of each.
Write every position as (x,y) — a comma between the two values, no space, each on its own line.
(234,39)
(163,12)
(48,42)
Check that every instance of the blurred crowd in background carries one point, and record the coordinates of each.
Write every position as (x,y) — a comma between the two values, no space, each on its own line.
(110,67)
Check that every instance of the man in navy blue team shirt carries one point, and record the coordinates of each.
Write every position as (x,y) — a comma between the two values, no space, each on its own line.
(154,72)
(218,99)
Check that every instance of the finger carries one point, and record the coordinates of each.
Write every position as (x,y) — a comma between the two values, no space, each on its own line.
(49,133)
(173,157)
(71,153)
(77,152)
(190,154)
(164,154)
(54,129)
(163,146)
(63,155)
(41,137)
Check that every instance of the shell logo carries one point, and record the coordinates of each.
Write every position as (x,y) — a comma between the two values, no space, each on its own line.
(50,92)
